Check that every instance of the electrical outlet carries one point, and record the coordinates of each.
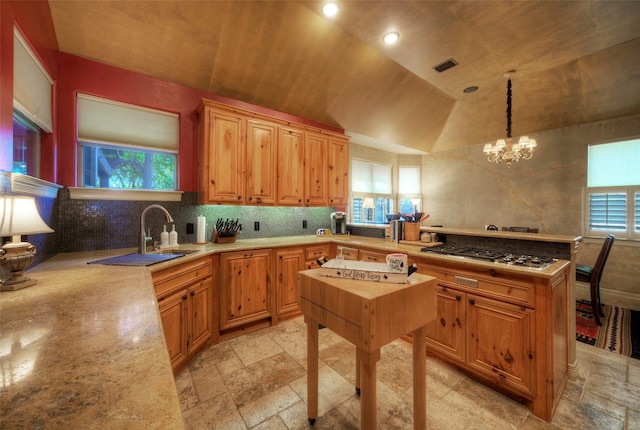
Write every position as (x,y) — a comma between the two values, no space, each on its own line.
(304,223)
(189,228)
(256,225)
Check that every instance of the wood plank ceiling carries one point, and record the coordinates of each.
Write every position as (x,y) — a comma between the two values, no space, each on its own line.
(575,61)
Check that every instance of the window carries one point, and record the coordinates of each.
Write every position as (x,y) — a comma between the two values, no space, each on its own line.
(612,196)
(410,198)
(26,145)
(125,146)
(31,106)
(371,188)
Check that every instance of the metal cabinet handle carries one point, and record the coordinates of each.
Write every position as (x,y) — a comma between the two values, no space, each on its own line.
(472,301)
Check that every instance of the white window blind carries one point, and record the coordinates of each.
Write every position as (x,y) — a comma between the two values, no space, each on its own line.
(608,211)
(409,180)
(31,85)
(370,177)
(614,164)
(114,123)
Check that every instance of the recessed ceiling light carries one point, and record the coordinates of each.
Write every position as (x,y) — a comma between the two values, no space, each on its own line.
(471,89)
(391,37)
(330,9)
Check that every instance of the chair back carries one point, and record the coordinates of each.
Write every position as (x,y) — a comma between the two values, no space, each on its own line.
(602,258)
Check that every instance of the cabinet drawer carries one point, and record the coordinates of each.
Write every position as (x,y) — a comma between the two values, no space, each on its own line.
(515,291)
(375,257)
(181,275)
(315,252)
(348,253)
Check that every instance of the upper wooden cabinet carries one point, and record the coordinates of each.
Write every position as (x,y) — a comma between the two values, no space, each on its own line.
(221,161)
(316,172)
(261,162)
(338,171)
(250,158)
(290,177)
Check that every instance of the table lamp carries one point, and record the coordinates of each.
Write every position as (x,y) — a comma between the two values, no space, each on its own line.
(18,216)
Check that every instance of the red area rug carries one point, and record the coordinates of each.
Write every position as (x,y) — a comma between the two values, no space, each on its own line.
(619,333)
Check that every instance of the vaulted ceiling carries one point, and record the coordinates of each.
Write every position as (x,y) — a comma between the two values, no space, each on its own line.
(575,61)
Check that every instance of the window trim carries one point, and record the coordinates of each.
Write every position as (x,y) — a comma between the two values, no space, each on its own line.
(82,193)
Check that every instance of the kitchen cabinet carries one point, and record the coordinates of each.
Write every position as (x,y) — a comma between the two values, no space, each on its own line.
(247,157)
(261,162)
(289,262)
(338,171)
(508,330)
(290,173)
(245,288)
(185,300)
(221,156)
(315,169)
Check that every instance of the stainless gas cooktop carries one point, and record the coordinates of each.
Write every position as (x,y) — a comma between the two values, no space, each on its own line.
(492,255)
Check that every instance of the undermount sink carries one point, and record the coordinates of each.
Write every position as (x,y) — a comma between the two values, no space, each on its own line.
(179,252)
(138,259)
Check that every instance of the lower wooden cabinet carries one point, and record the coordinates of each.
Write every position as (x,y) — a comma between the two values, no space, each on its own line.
(507,330)
(245,287)
(447,332)
(288,263)
(185,301)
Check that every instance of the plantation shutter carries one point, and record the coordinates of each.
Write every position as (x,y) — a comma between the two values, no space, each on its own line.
(608,211)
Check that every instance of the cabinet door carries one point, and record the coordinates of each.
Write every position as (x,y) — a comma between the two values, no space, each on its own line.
(499,340)
(315,170)
(173,312)
(200,312)
(224,157)
(290,166)
(288,264)
(445,334)
(338,171)
(244,287)
(261,162)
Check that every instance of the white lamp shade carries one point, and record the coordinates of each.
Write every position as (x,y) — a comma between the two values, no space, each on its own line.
(19,215)
(368,203)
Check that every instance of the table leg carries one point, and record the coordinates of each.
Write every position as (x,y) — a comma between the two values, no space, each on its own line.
(368,397)
(312,370)
(419,379)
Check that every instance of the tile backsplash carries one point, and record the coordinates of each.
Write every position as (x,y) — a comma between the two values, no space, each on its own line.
(86,225)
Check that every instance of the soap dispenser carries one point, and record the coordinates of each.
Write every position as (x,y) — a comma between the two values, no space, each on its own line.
(173,236)
(164,236)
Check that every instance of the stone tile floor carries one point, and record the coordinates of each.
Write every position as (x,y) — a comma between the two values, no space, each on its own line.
(258,381)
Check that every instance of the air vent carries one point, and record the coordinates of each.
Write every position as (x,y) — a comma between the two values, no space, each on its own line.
(445,66)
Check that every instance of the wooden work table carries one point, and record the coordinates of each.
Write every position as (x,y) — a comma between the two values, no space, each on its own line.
(369,315)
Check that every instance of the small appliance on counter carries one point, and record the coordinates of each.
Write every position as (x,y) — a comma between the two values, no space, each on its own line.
(339,223)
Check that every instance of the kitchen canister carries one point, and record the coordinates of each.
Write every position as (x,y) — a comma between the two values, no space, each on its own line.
(425,237)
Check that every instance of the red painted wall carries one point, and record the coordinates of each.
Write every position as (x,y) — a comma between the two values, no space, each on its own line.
(90,77)
(73,74)
(33,18)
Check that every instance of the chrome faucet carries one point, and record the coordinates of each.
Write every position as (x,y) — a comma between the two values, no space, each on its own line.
(144,238)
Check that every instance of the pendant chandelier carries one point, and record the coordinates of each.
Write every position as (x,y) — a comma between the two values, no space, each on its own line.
(504,149)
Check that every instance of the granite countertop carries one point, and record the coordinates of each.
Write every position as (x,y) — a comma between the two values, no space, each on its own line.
(84,348)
